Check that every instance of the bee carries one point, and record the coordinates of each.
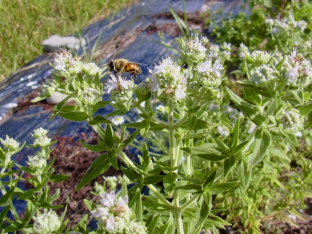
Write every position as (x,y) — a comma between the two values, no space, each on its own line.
(125,66)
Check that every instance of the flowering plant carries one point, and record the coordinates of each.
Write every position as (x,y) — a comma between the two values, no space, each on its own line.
(203,150)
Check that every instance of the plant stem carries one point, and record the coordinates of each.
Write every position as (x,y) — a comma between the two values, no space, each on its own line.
(159,195)
(174,155)
(155,120)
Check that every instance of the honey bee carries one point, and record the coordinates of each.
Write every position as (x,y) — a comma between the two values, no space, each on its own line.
(125,66)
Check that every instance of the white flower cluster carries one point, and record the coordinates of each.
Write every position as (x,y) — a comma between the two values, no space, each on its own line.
(91,96)
(210,74)
(10,143)
(114,216)
(65,65)
(166,80)
(46,223)
(289,121)
(121,91)
(296,70)
(41,139)
(193,49)
(243,50)
(263,76)
(36,163)
(285,26)
(222,52)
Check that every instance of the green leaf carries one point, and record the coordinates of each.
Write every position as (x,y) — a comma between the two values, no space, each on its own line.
(191,122)
(109,136)
(29,193)
(240,147)
(118,112)
(222,187)
(131,138)
(207,148)
(113,159)
(235,133)
(243,174)
(136,205)
(194,135)
(98,119)
(201,124)
(212,157)
(153,179)
(190,188)
(167,228)
(252,96)
(132,174)
(98,167)
(7,196)
(94,148)
(265,145)
(100,104)
(223,147)
(146,158)
(76,116)
(4,214)
(151,223)
(204,212)
(280,64)
(39,98)
(17,225)
(170,182)
(209,181)
(249,110)
(228,165)
(58,178)
(305,109)
(58,107)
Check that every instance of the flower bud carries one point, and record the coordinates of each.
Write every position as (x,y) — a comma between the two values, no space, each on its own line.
(36,163)
(209,75)
(46,223)
(90,69)
(289,121)
(10,143)
(193,49)
(39,132)
(42,141)
(92,96)
(264,76)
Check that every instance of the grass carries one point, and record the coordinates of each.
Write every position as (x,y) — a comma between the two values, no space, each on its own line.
(24,24)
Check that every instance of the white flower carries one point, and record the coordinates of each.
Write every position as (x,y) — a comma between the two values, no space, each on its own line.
(136,228)
(260,57)
(161,108)
(112,180)
(289,121)
(10,143)
(42,141)
(39,132)
(108,199)
(210,75)
(110,223)
(226,46)
(90,69)
(65,65)
(101,212)
(46,223)
(292,75)
(121,206)
(263,75)
(193,49)
(166,80)
(223,131)
(298,134)
(36,163)
(92,96)
(118,84)
(117,120)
